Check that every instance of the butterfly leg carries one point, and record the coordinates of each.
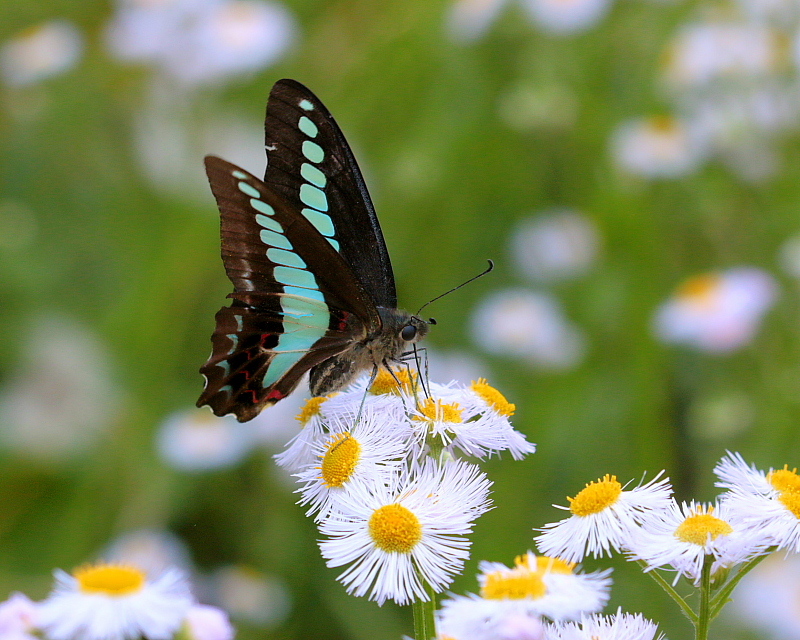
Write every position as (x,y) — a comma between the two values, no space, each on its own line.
(372,377)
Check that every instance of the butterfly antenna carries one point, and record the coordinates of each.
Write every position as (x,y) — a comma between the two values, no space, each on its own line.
(473,278)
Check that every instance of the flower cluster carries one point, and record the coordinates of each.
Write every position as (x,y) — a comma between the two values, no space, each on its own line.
(379,471)
(114,602)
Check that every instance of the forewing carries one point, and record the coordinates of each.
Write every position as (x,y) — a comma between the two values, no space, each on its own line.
(295,300)
(311,165)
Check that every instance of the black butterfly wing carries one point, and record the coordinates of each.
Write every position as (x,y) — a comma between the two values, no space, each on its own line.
(296,303)
(311,165)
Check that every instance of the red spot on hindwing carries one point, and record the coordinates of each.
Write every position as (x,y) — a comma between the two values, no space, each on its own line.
(344,317)
(275,395)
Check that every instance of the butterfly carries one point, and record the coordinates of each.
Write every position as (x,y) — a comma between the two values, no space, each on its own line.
(314,289)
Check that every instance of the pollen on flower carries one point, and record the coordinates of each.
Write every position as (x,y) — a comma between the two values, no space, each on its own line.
(340,460)
(395,529)
(791,500)
(700,289)
(493,397)
(311,408)
(596,496)
(545,564)
(516,584)
(109,579)
(784,479)
(435,410)
(398,382)
(698,528)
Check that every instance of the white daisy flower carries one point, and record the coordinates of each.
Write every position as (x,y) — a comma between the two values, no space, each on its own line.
(564,17)
(530,326)
(685,534)
(114,602)
(534,587)
(204,41)
(620,626)
(769,503)
(479,424)
(300,450)
(412,531)
(17,618)
(717,312)
(40,52)
(604,515)
(555,245)
(203,622)
(351,453)
(468,20)
(659,147)
(197,440)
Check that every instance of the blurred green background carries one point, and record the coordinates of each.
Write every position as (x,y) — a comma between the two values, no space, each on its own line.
(464,124)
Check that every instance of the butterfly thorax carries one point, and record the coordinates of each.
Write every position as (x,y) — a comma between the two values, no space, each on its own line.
(383,346)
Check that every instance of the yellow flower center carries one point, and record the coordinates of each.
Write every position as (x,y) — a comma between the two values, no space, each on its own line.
(700,289)
(109,579)
(493,397)
(395,529)
(784,480)
(311,408)
(435,410)
(697,528)
(340,460)
(385,382)
(546,564)
(515,584)
(596,496)
(791,500)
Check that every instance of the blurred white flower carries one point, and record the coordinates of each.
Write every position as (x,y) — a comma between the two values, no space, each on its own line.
(659,147)
(249,595)
(717,312)
(17,618)
(768,598)
(60,397)
(153,551)
(566,16)
(208,623)
(468,20)
(202,42)
(454,365)
(708,51)
(527,325)
(40,52)
(197,440)
(555,245)
(114,602)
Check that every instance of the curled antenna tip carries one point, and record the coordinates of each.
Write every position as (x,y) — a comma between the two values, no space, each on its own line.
(483,273)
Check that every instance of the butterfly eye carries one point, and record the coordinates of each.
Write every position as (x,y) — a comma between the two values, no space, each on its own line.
(408,332)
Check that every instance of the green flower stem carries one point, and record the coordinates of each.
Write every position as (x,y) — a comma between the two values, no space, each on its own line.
(704,618)
(666,586)
(424,620)
(722,598)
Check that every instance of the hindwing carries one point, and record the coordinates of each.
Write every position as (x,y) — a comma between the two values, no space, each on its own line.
(296,302)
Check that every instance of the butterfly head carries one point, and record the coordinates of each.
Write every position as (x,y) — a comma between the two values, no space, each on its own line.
(414,329)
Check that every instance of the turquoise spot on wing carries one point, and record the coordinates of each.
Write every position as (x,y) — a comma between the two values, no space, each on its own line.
(239,174)
(273,239)
(313,197)
(263,207)
(294,277)
(304,307)
(334,243)
(250,190)
(223,364)
(321,221)
(233,338)
(305,104)
(313,175)
(288,258)
(279,365)
(312,151)
(226,389)
(308,127)
(238,323)
(315,294)
(299,339)
(269,223)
